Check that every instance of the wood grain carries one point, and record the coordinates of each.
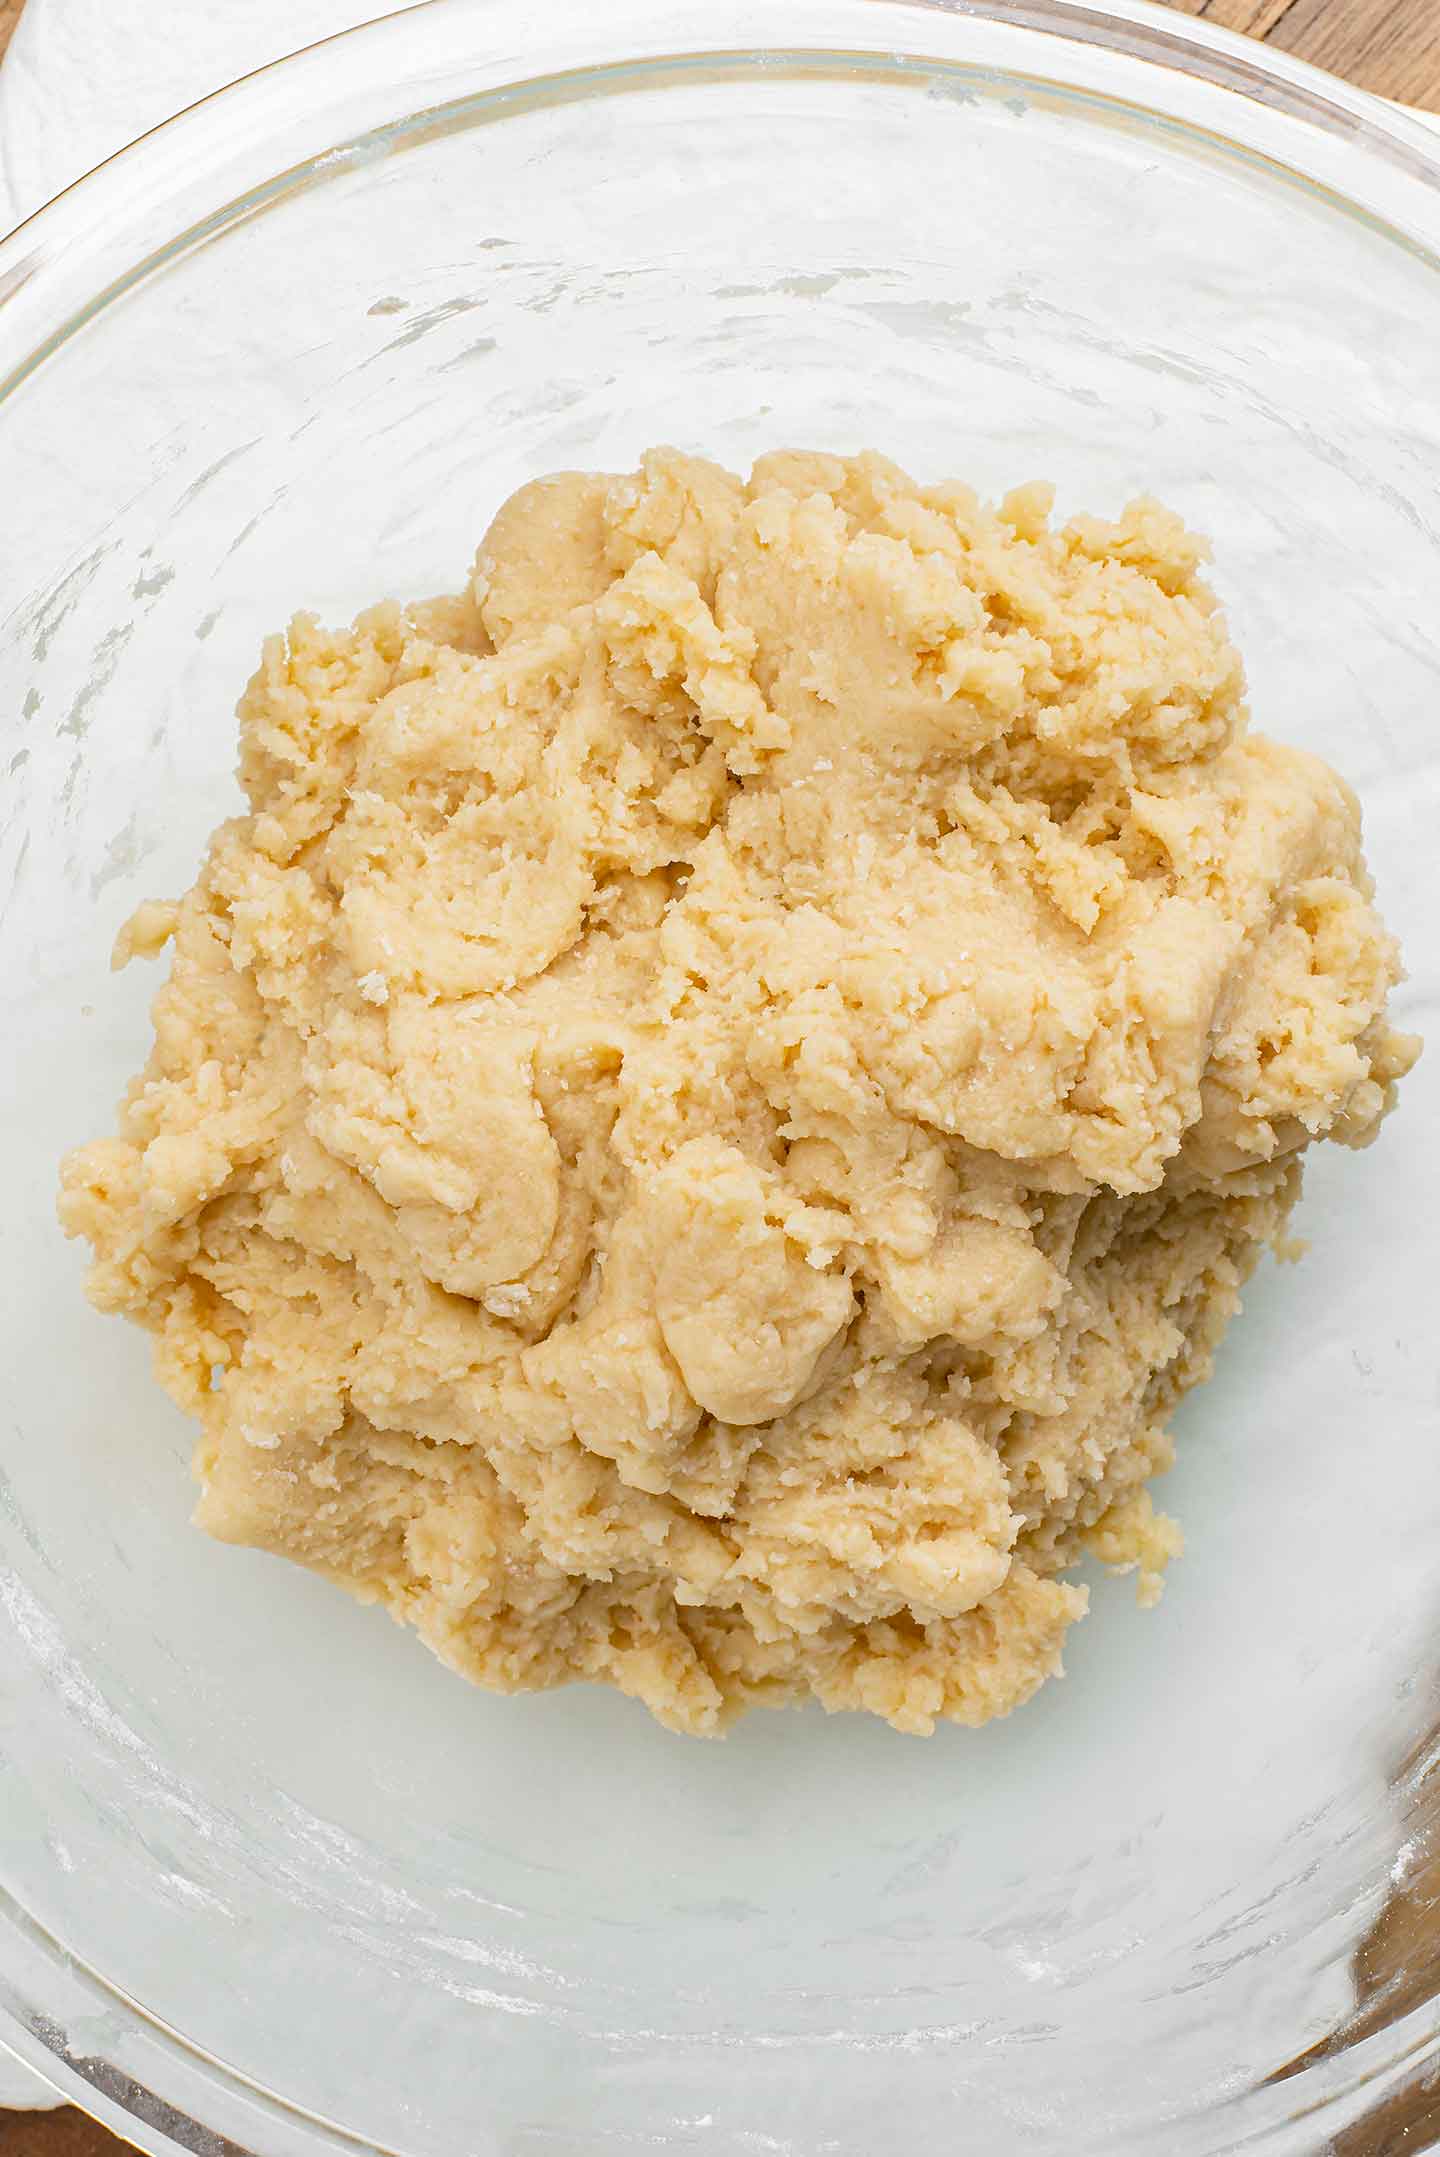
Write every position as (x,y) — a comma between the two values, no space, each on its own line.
(66,2133)
(1389,46)
(9,16)
(1393,48)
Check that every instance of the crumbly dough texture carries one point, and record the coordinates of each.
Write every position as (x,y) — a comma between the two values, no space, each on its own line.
(731,1077)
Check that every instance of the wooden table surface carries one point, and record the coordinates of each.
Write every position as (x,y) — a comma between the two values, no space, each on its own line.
(1389,46)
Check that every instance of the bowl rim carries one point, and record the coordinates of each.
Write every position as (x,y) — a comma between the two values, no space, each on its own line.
(70,241)
(1156,32)
(1140,30)
(74,231)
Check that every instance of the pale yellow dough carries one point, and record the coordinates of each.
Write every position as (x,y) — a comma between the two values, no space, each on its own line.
(730,1078)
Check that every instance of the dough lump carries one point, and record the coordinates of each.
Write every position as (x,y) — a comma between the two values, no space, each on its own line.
(731,1076)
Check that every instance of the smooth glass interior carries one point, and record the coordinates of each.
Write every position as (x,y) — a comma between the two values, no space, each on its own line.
(543,1927)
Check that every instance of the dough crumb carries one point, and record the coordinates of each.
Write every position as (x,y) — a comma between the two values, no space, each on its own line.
(145,934)
(730,1077)
(1131,1537)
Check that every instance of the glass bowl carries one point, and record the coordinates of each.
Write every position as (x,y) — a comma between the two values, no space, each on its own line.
(272,1878)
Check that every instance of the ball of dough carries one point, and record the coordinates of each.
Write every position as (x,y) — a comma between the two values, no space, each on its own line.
(729,1078)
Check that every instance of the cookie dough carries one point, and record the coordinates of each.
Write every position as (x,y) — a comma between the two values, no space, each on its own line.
(731,1076)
